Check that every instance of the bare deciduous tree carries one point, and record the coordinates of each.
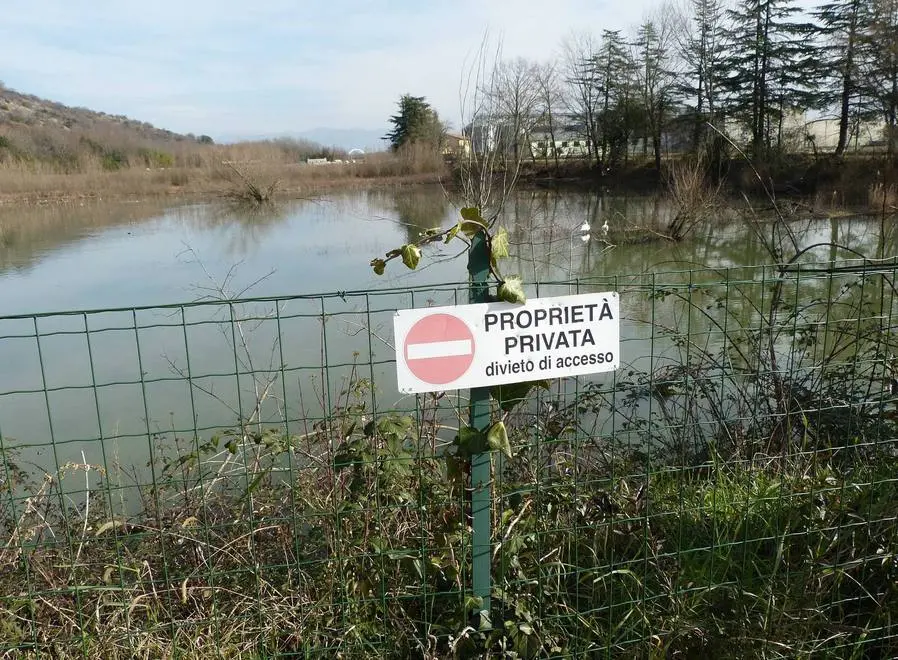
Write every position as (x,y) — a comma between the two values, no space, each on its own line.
(516,97)
(548,82)
(584,97)
(488,172)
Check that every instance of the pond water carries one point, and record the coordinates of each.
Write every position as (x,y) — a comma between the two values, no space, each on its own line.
(105,255)
(113,384)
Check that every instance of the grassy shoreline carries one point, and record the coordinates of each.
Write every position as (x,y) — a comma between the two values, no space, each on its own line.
(747,559)
(293,181)
(728,499)
(853,183)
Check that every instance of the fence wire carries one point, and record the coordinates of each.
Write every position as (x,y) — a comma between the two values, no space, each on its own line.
(240,478)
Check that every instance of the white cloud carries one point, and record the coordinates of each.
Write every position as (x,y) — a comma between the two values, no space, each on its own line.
(198,65)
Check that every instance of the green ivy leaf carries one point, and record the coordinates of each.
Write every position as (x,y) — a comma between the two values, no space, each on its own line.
(497,439)
(452,233)
(411,255)
(499,244)
(473,603)
(379,265)
(512,291)
(472,213)
(471,228)
(510,395)
(471,441)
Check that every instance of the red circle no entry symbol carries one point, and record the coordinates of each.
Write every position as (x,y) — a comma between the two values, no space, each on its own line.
(439,348)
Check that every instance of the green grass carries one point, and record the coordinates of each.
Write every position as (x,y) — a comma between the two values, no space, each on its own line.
(718,505)
(366,554)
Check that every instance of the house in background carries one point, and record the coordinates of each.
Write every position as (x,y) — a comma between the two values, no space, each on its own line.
(564,142)
(456,144)
(801,133)
(823,134)
(796,133)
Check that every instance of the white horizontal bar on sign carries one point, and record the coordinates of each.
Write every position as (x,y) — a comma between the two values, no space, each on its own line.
(439,349)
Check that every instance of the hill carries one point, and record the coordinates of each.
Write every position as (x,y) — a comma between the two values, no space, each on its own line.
(23,111)
(48,135)
(43,136)
(52,151)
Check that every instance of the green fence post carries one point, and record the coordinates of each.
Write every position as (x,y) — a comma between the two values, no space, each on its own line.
(478,268)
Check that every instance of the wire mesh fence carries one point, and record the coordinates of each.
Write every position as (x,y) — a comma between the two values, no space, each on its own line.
(241,478)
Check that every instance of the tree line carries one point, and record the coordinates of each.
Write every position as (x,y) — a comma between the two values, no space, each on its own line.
(689,69)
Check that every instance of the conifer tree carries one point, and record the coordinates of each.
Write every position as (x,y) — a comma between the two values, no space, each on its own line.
(880,86)
(701,48)
(416,122)
(770,67)
(655,79)
(841,24)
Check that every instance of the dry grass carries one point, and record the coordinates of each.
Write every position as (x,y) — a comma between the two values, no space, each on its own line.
(211,174)
(882,197)
(49,151)
(693,193)
(313,568)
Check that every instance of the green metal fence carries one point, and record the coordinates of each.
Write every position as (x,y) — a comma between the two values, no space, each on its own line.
(240,479)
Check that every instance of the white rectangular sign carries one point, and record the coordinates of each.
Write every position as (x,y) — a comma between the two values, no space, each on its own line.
(450,348)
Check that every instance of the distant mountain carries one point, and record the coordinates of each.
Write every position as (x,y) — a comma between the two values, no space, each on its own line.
(348,138)
(366,139)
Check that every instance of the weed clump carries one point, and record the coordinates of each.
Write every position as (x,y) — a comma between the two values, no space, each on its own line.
(245,191)
(362,548)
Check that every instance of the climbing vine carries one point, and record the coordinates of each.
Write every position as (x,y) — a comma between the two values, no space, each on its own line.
(470,441)
(508,288)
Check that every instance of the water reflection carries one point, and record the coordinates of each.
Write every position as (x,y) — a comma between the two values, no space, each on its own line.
(326,243)
(419,209)
(30,233)
(123,255)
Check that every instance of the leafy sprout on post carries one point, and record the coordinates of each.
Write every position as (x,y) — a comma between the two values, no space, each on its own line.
(510,289)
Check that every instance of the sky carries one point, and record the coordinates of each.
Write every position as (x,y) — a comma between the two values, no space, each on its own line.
(237,69)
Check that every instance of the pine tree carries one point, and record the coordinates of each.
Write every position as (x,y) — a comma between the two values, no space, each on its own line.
(770,67)
(702,51)
(655,81)
(618,114)
(841,56)
(880,84)
(415,123)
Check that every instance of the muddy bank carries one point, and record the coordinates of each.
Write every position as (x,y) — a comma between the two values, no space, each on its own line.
(848,180)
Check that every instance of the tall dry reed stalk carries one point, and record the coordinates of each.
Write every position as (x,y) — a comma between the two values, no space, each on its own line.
(883,197)
(693,193)
(208,174)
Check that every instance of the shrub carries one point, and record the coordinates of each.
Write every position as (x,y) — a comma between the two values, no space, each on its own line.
(114,160)
(154,158)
